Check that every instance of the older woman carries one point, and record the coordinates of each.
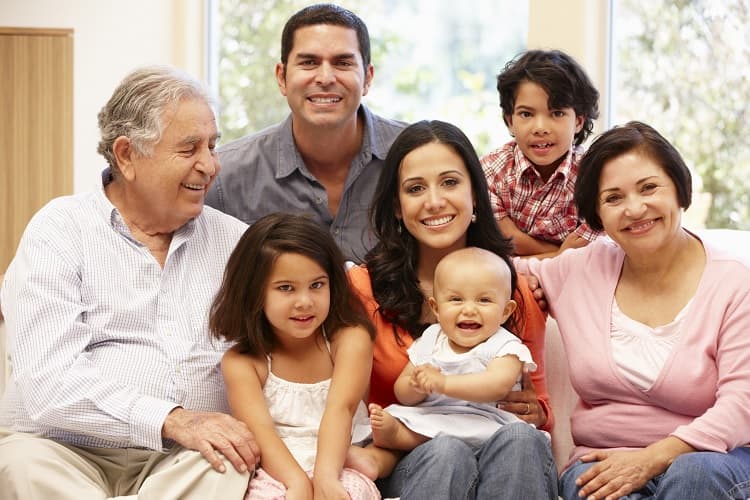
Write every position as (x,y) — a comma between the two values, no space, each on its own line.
(656,325)
(432,199)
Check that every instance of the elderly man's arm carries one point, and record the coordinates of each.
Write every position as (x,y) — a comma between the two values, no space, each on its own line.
(55,370)
(74,377)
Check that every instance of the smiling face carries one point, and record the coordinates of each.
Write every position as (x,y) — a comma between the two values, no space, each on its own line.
(171,184)
(435,197)
(544,135)
(324,78)
(638,203)
(297,297)
(471,299)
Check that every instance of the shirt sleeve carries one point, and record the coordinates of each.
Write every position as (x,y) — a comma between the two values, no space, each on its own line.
(492,164)
(724,426)
(54,368)
(584,231)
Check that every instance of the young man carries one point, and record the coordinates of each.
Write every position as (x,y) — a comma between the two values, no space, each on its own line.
(325,158)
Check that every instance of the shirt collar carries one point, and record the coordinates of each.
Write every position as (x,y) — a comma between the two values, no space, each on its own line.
(564,170)
(290,158)
(110,212)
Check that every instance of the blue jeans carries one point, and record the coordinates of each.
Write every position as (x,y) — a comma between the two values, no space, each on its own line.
(515,463)
(693,476)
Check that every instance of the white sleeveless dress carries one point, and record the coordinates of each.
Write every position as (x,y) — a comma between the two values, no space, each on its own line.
(297,409)
(474,423)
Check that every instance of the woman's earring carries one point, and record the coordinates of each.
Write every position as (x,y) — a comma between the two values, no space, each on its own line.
(398,226)
(473,217)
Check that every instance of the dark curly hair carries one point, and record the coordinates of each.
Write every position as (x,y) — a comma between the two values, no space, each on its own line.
(392,262)
(561,77)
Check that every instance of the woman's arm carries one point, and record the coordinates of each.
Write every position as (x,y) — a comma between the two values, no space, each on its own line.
(532,403)
(247,403)
(351,350)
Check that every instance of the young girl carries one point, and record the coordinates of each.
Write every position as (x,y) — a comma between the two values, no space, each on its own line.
(460,367)
(304,346)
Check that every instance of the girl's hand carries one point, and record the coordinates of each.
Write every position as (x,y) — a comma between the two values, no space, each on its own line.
(524,403)
(617,474)
(329,489)
(428,379)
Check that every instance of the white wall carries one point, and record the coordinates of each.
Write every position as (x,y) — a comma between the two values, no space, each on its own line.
(112,37)
(580,28)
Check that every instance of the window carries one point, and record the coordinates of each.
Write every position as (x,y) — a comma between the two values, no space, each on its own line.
(432,61)
(684,68)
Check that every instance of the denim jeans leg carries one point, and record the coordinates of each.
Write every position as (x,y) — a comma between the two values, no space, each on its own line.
(516,463)
(568,488)
(706,474)
(442,468)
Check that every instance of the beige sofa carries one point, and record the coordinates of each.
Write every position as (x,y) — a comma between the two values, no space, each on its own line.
(562,396)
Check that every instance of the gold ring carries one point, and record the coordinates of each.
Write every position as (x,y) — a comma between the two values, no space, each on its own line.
(528,409)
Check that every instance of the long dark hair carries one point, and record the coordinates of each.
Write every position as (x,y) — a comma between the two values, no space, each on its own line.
(392,262)
(237,311)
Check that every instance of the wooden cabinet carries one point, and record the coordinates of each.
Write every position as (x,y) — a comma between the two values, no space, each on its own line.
(36,126)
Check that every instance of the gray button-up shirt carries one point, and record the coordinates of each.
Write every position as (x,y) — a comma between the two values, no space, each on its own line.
(264,173)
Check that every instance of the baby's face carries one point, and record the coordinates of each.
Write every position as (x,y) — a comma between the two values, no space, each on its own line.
(472,300)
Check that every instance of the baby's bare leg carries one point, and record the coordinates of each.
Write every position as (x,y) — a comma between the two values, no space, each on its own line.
(388,432)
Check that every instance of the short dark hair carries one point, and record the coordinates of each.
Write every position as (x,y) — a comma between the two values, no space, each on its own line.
(562,78)
(619,140)
(325,13)
(237,311)
(392,262)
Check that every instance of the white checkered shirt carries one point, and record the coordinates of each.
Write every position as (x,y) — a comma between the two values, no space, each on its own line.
(103,342)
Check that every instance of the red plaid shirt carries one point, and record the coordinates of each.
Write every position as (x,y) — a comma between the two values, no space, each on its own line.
(545,211)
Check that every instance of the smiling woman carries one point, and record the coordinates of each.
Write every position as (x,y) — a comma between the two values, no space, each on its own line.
(658,313)
(431,186)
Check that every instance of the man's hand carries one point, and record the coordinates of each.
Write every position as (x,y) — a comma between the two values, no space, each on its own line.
(207,432)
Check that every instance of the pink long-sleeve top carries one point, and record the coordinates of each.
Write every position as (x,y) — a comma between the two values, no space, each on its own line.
(701,395)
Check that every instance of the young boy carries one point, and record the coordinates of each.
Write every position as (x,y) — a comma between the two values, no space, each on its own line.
(549,106)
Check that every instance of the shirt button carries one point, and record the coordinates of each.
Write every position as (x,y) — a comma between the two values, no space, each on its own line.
(337,231)
(318,200)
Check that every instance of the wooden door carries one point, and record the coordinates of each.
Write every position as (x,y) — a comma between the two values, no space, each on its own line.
(36,126)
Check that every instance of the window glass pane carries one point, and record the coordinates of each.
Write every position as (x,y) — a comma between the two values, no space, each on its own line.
(684,68)
(432,60)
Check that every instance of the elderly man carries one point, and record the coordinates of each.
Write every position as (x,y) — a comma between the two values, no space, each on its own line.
(115,388)
(325,158)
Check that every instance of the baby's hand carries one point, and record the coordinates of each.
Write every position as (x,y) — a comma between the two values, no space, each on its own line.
(428,379)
